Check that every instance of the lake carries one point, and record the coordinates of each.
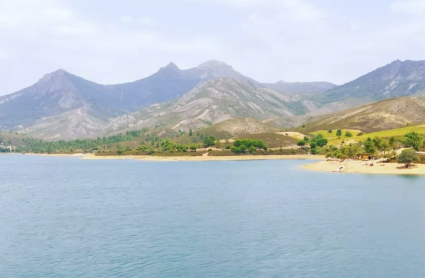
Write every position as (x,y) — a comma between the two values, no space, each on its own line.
(66,217)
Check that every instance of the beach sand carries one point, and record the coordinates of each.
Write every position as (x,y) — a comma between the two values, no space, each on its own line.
(359,167)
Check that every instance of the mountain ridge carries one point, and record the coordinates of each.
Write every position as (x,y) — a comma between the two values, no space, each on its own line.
(68,97)
(381,115)
(396,79)
(62,105)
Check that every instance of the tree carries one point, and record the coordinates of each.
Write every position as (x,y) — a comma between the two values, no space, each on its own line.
(190,132)
(252,149)
(414,140)
(339,133)
(369,146)
(306,139)
(218,143)
(385,146)
(143,148)
(407,157)
(193,147)
(392,142)
(348,134)
(321,142)
(330,131)
(243,148)
(301,143)
(209,141)
(378,142)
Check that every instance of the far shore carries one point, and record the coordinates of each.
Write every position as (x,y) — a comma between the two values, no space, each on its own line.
(185,158)
(360,167)
(322,165)
(205,158)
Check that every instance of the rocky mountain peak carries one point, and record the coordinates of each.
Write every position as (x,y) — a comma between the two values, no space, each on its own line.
(58,74)
(171,67)
(214,65)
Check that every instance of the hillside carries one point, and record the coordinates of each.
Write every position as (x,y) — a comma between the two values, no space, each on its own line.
(56,93)
(63,105)
(213,102)
(381,115)
(239,126)
(300,87)
(397,79)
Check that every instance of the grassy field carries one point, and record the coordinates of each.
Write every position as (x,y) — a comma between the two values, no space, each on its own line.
(398,132)
(333,139)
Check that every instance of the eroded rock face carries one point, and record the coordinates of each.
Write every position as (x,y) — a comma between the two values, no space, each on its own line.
(67,106)
(397,79)
(203,95)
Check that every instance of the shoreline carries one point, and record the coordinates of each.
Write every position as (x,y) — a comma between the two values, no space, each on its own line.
(205,158)
(322,165)
(182,158)
(359,167)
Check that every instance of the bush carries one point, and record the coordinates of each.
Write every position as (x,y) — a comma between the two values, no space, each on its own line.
(301,143)
(241,145)
(414,140)
(209,141)
(407,157)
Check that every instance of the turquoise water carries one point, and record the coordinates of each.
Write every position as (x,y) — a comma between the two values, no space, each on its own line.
(65,217)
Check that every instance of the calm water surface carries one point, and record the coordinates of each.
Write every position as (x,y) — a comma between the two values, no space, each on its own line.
(65,217)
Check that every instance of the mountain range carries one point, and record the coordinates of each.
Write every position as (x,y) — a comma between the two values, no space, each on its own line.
(62,105)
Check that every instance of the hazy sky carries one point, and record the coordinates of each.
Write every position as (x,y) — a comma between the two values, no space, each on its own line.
(268,40)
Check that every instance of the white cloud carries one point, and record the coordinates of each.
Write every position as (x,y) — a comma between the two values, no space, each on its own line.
(294,40)
(412,7)
(57,14)
(145,20)
(3,54)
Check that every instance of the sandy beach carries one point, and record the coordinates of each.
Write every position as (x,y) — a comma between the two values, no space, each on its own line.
(206,158)
(360,167)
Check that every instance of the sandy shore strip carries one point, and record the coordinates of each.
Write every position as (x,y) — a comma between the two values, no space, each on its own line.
(361,168)
(207,158)
(56,154)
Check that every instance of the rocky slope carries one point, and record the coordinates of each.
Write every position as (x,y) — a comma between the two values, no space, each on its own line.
(300,87)
(381,115)
(213,102)
(397,79)
(63,105)
(56,93)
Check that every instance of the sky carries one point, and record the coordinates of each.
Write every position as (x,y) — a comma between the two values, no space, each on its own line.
(269,40)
